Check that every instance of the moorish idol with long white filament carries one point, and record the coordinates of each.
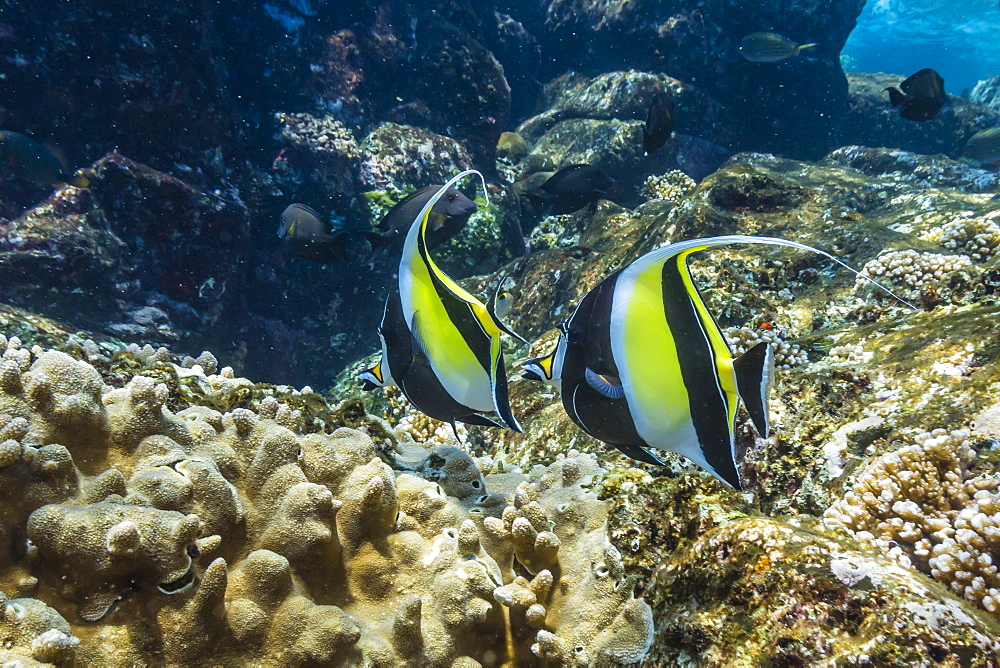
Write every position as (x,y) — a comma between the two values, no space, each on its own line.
(641,364)
(440,344)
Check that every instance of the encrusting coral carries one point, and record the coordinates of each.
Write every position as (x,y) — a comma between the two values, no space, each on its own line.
(232,537)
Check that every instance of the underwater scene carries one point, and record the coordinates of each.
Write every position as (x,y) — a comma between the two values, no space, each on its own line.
(496,333)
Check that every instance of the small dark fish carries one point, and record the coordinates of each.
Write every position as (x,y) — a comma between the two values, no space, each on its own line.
(984,146)
(572,188)
(301,223)
(920,97)
(659,124)
(25,159)
(308,236)
(768,47)
(448,217)
(314,240)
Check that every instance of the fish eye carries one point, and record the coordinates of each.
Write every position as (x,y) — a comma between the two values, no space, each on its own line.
(451,197)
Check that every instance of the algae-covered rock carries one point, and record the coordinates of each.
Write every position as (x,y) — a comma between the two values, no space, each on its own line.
(403,156)
(987,91)
(783,591)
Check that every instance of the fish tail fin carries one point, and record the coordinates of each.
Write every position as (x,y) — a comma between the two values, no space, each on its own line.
(896,96)
(810,45)
(498,383)
(479,421)
(754,372)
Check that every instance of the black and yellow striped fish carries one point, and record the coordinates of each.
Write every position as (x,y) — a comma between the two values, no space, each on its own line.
(641,364)
(440,344)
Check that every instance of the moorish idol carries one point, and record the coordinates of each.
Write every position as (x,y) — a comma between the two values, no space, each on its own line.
(440,344)
(641,364)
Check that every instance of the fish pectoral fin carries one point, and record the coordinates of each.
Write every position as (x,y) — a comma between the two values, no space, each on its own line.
(640,453)
(539,368)
(604,384)
(498,385)
(754,372)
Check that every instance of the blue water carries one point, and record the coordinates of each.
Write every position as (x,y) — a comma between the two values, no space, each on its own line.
(958,38)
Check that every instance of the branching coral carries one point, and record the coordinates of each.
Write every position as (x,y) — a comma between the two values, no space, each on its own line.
(977,237)
(912,271)
(786,355)
(922,503)
(673,186)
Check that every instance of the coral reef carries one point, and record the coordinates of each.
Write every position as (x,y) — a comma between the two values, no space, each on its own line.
(979,238)
(913,271)
(725,599)
(233,536)
(924,504)
(786,355)
(673,186)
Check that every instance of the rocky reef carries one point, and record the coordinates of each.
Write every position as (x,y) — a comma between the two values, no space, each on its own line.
(158,507)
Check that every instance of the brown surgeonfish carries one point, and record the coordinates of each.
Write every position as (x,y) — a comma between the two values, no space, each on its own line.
(447,218)
(25,159)
(920,97)
(313,239)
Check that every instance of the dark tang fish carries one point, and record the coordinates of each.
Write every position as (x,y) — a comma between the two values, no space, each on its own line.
(768,47)
(448,217)
(659,124)
(440,344)
(24,158)
(572,188)
(921,97)
(642,364)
